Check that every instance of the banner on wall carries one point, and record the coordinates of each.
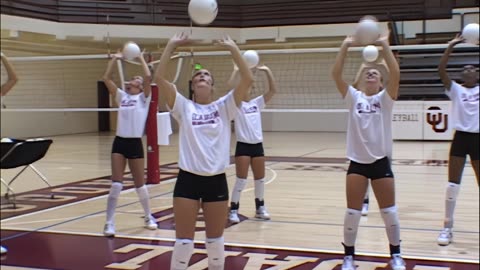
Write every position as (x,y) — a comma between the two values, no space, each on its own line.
(408,125)
(437,121)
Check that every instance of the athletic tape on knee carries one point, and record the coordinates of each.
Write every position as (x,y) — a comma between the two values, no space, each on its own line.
(452,191)
(240,184)
(350,226)
(216,252)
(392,226)
(182,252)
(260,189)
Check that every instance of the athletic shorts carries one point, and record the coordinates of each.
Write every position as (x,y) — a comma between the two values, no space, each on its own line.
(205,188)
(376,170)
(465,143)
(130,148)
(248,149)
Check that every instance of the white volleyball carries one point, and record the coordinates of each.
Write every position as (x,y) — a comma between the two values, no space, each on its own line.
(370,53)
(131,50)
(470,33)
(367,31)
(202,12)
(252,58)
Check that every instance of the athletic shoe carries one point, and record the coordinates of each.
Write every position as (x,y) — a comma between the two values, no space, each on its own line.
(109,229)
(150,223)
(365,209)
(397,263)
(445,237)
(348,263)
(262,213)
(233,217)
(3,250)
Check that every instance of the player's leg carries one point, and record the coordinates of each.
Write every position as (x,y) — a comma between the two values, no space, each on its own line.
(242,163)
(258,169)
(215,209)
(118,164)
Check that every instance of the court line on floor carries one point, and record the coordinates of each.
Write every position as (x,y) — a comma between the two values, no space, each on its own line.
(282,248)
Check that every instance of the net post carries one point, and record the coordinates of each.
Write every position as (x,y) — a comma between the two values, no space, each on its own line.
(153,171)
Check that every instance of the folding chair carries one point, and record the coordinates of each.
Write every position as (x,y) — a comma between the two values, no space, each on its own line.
(22,153)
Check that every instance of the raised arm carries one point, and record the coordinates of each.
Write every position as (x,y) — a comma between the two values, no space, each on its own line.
(442,67)
(147,75)
(337,69)
(166,88)
(107,77)
(12,76)
(234,78)
(392,64)
(272,86)
(246,76)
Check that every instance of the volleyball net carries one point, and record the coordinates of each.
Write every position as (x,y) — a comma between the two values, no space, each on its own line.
(59,95)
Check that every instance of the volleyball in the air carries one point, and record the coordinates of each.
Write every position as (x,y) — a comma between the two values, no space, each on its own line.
(131,50)
(203,12)
(470,33)
(252,58)
(367,31)
(370,53)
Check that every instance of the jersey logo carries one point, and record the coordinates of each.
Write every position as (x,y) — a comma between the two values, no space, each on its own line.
(252,109)
(470,98)
(205,119)
(368,108)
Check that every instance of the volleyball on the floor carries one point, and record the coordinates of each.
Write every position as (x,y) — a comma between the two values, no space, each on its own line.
(370,53)
(367,31)
(470,33)
(202,12)
(252,58)
(131,50)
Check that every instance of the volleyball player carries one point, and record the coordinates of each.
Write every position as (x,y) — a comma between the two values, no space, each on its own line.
(204,139)
(369,144)
(465,112)
(5,88)
(12,77)
(133,102)
(249,148)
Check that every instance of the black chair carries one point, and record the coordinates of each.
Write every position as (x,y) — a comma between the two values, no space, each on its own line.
(19,153)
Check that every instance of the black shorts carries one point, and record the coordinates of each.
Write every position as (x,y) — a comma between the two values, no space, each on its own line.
(376,170)
(465,143)
(248,149)
(130,148)
(197,187)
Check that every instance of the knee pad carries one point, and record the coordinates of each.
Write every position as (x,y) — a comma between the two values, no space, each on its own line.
(115,190)
(216,252)
(390,216)
(350,226)
(452,191)
(182,252)
(240,184)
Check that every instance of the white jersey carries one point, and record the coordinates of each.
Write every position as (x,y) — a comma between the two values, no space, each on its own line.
(248,123)
(369,133)
(465,109)
(204,134)
(132,114)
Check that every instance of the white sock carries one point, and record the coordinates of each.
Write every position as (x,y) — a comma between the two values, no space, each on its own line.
(450,202)
(142,193)
(216,253)
(350,226)
(237,189)
(392,226)
(182,252)
(259,189)
(112,199)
